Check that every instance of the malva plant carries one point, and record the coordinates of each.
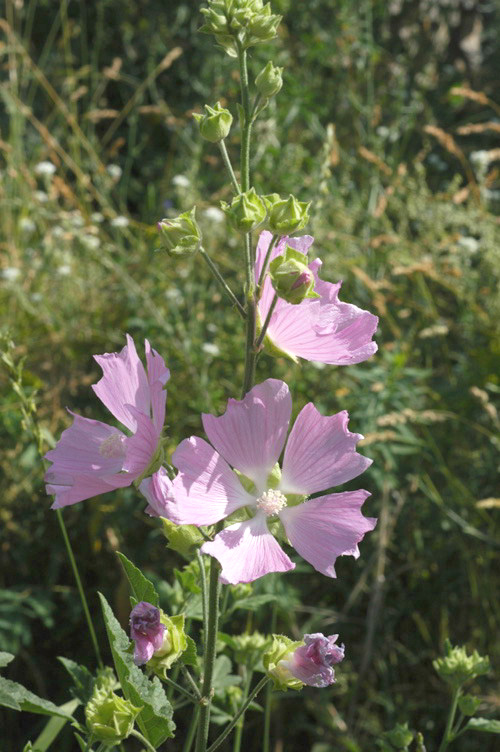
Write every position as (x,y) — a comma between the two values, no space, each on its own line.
(236,505)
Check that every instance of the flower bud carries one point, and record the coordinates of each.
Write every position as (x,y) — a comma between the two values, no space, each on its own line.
(456,667)
(291,277)
(288,216)
(181,236)
(110,718)
(181,538)
(275,663)
(246,211)
(215,124)
(147,630)
(400,736)
(174,644)
(236,23)
(467,704)
(269,81)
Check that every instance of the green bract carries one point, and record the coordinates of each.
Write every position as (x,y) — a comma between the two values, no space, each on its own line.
(174,644)
(215,124)
(467,704)
(246,211)
(181,538)
(287,216)
(181,236)
(269,81)
(291,277)
(400,736)
(239,23)
(456,667)
(280,649)
(110,718)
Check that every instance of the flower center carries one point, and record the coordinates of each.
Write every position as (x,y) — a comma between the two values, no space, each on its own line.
(271,502)
(112,447)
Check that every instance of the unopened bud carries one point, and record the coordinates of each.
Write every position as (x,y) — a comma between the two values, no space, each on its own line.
(288,216)
(110,718)
(456,667)
(246,211)
(400,736)
(468,704)
(215,124)
(291,277)
(269,81)
(181,235)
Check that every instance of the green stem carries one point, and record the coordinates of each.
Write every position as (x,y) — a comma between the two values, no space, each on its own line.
(209,658)
(179,688)
(238,715)
(204,597)
(143,740)
(263,271)
(229,166)
(448,736)
(247,124)
(239,726)
(251,307)
(266,739)
(270,312)
(191,731)
(80,588)
(191,681)
(222,282)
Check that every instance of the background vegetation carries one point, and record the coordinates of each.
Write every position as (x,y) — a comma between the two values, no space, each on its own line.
(389,122)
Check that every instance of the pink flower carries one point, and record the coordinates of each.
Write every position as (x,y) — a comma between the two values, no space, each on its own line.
(312,662)
(250,436)
(147,630)
(91,457)
(323,329)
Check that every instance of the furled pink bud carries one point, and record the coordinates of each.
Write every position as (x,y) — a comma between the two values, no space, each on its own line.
(147,630)
(312,662)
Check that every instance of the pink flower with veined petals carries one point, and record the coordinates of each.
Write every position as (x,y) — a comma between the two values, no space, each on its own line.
(322,329)
(312,662)
(91,457)
(250,436)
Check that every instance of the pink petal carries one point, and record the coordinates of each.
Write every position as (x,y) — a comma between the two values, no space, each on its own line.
(206,489)
(78,450)
(142,445)
(246,551)
(157,489)
(158,375)
(70,490)
(251,433)
(322,529)
(320,453)
(124,383)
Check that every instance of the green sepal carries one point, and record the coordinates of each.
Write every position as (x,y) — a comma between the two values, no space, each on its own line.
(181,538)
(280,649)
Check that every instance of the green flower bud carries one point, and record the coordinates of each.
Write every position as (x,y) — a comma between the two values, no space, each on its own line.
(456,667)
(468,704)
(400,736)
(270,199)
(291,277)
(181,236)
(239,22)
(181,538)
(215,124)
(241,591)
(110,718)
(174,644)
(269,81)
(248,648)
(246,211)
(281,648)
(288,216)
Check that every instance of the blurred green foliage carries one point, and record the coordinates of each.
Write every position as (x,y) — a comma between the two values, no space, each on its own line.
(388,121)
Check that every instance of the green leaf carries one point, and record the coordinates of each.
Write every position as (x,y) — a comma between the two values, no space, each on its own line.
(142,588)
(489,725)
(54,727)
(222,676)
(17,697)
(82,678)
(190,656)
(252,603)
(5,659)
(155,719)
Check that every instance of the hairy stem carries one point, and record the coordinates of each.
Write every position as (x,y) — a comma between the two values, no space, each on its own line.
(209,658)
(223,284)
(448,735)
(238,715)
(229,166)
(143,740)
(263,271)
(266,323)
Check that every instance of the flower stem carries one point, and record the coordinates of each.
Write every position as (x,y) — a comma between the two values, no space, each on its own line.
(448,735)
(222,282)
(180,689)
(188,743)
(143,739)
(209,657)
(229,166)
(253,694)
(239,726)
(263,271)
(247,123)
(80,587)
(270,312)
(191,681)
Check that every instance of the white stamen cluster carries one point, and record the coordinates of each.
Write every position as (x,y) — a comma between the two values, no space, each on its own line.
(271,502)
(112,447)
